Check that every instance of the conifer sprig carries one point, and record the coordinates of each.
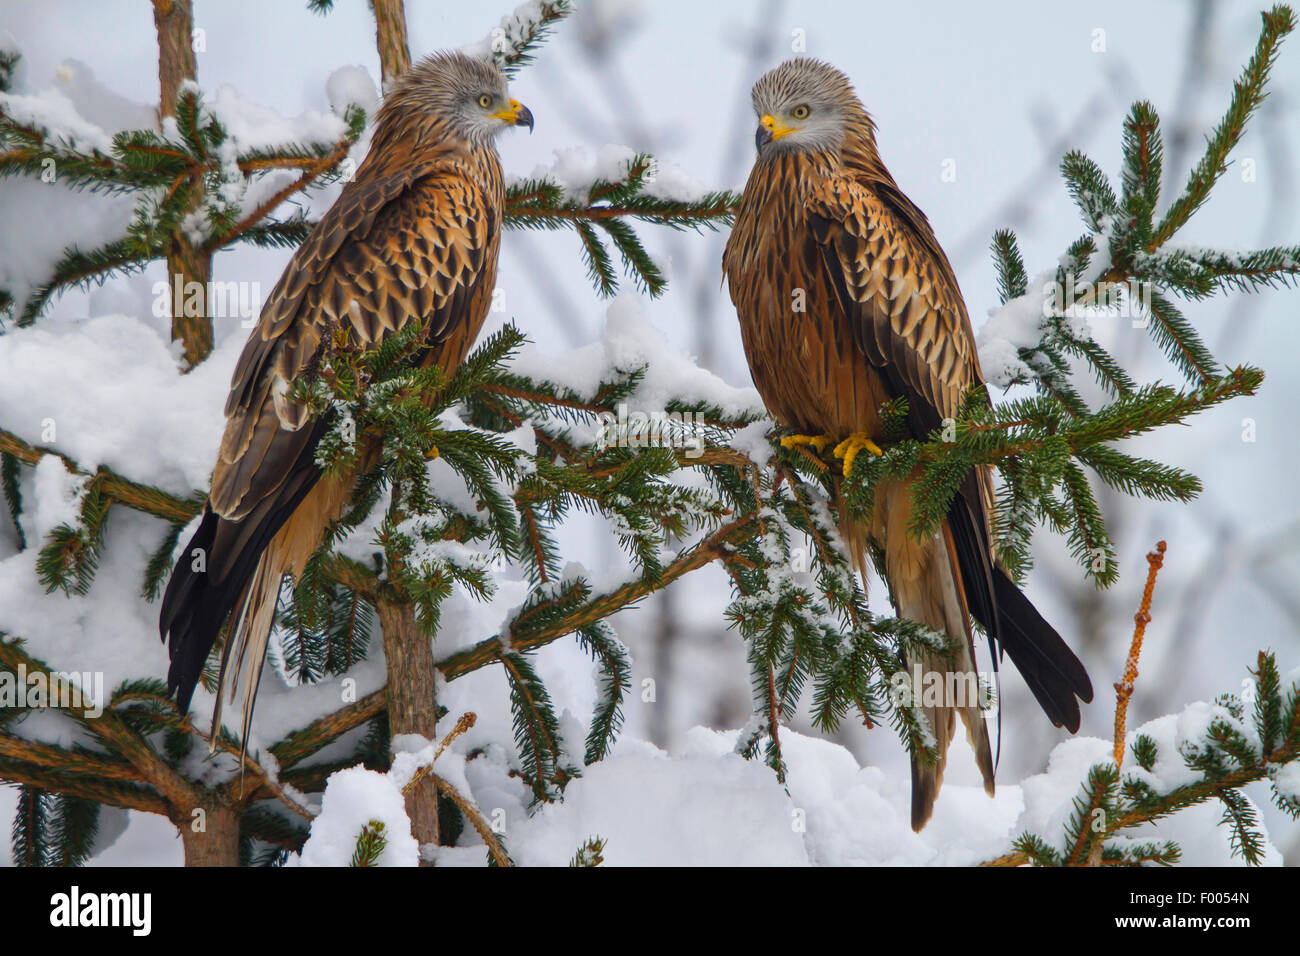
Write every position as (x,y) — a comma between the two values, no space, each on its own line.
(1247,94)
(513,44)
(605,207)
(371,843)
(1046,447)
(591,853)
(166,171)
(1245,740)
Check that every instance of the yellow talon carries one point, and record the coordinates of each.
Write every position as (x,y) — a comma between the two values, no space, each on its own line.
(849,448)
(818,442)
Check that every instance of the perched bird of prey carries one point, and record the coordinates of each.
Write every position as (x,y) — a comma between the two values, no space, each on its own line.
(822,226)
(414,235)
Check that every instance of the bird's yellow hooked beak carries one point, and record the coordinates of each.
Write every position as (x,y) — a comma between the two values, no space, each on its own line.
(769,129)
(516,114)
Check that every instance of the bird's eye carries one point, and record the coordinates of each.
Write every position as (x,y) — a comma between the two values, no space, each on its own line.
(800,112)
(485,100)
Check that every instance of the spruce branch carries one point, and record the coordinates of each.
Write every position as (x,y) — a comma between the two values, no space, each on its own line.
(1123,266)
(1247,95)
(606,205)
(1224,760)
(170,179)
(1040,447)
(113,732)
(496,848)
(591,853)
(513,44)
(371,843)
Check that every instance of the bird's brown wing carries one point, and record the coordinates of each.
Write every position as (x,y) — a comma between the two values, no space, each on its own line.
(407,245)
(900,296)
(419,243)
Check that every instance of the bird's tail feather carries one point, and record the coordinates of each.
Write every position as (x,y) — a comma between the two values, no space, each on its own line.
(194,608)
(955,671)
(951,680)
(223,564)
(1054,674)
(947,683)
(246,643)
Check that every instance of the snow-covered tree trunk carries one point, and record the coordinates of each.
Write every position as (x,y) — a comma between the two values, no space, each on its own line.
(189,268)
(412,703)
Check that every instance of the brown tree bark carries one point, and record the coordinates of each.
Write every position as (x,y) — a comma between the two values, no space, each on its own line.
(191,324)
(174,20)
(390,37)
(412,702)
(217,843)
(186,264)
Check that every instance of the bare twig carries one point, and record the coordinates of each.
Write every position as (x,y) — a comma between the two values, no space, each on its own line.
(1124,688)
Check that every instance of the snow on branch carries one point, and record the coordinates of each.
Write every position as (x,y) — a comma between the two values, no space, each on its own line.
(1119,270)
(1086,811)
(252,159)
(595,196)
(511,44)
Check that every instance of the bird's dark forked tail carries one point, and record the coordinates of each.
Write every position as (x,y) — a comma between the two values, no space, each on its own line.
(1053,672)
(193,611)
(215,571)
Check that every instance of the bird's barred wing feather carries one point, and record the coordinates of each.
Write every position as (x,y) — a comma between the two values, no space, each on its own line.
(901,298)
(409,245)
(899,294)
(414,244)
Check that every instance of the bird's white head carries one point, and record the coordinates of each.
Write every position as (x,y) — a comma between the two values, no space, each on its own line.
(804,104)
(464,94)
